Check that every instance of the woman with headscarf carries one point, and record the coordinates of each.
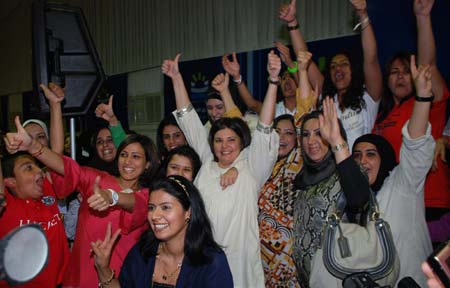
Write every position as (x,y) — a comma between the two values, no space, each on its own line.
(400,188)
(327,171)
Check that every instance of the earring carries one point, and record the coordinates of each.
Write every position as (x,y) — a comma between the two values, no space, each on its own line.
(187,220)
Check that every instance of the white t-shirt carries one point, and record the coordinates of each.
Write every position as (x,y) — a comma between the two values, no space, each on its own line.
(280,109)
(357,124)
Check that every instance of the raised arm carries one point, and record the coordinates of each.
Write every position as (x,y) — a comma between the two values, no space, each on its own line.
(170,68)
(418,122)
(268,108)
(106,112)
(288,13)
(233,68)
(372,70)
(55,95)
(220,83)
(285,54)
(426,47)
(306,97)
(21,141)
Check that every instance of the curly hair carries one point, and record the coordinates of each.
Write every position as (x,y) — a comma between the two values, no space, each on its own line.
(353,95)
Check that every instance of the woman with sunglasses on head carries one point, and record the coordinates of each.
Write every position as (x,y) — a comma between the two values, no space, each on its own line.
(178,250)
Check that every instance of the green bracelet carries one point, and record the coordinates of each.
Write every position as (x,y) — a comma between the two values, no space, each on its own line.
(293,70)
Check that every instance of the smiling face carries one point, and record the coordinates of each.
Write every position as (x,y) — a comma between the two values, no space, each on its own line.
(167,217)
(180,165)
(340,72)
(173,137)
(288,137)
(314,146)
(132,162)
(215,108)
(227,147)
(37,133)
(105,145)
(366,154)
(400,80)
(28,179)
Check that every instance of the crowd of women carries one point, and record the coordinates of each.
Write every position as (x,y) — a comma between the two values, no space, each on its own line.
(238,202)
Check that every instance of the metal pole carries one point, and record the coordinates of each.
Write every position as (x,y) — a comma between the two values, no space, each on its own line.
(73,148)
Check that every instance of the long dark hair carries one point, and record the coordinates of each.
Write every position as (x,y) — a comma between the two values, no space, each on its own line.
(199,236)
(168,120)
(150,155)
(237,125)
(97,162)
(387,101)
(353,96)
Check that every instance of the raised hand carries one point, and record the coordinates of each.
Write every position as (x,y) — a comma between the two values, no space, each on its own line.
(328,123)
(101,199)
(288,12)
(170,67)
(18,141)
(220,82)
(102,249)
(423,7)
(105,111)
(54,93)
(232,66)
(228,178)
(360,7)
(422,78)
(303,60)
(273,65)
(285,54)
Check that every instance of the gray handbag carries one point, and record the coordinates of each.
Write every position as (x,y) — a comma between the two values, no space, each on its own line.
(349,248)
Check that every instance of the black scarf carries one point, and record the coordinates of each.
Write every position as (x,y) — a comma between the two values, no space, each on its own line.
(387,155)
(314,172)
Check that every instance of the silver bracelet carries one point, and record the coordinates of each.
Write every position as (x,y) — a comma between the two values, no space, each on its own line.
(184,110)
(263,128)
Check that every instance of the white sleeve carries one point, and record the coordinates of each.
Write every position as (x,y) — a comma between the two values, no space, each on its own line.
(371,112)
(263,152)
(416,158)
(194,131)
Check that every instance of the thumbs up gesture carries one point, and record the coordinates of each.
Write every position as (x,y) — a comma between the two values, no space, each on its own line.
(101,199)
(18,141)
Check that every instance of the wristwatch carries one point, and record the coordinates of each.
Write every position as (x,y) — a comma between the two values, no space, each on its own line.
(114,197)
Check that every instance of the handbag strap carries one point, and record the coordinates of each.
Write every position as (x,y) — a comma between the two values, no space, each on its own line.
(374,209)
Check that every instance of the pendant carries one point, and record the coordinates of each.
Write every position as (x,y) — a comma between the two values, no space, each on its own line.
(164,277)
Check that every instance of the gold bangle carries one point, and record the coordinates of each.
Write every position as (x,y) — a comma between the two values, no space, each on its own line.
(107,282)
(339,147)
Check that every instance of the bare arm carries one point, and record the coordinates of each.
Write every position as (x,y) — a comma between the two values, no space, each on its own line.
(170,68)
(426,45)
(288,13)
(55,95)
(418,122)
(268,108)
(21,141)
(220,83)
(372,70)
(232,67)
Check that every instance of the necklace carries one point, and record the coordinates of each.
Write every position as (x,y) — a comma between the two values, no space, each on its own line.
(167,276)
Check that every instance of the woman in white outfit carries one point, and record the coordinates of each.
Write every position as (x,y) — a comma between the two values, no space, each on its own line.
(233,210)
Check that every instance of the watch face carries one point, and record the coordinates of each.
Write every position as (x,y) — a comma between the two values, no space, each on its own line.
(115,196)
